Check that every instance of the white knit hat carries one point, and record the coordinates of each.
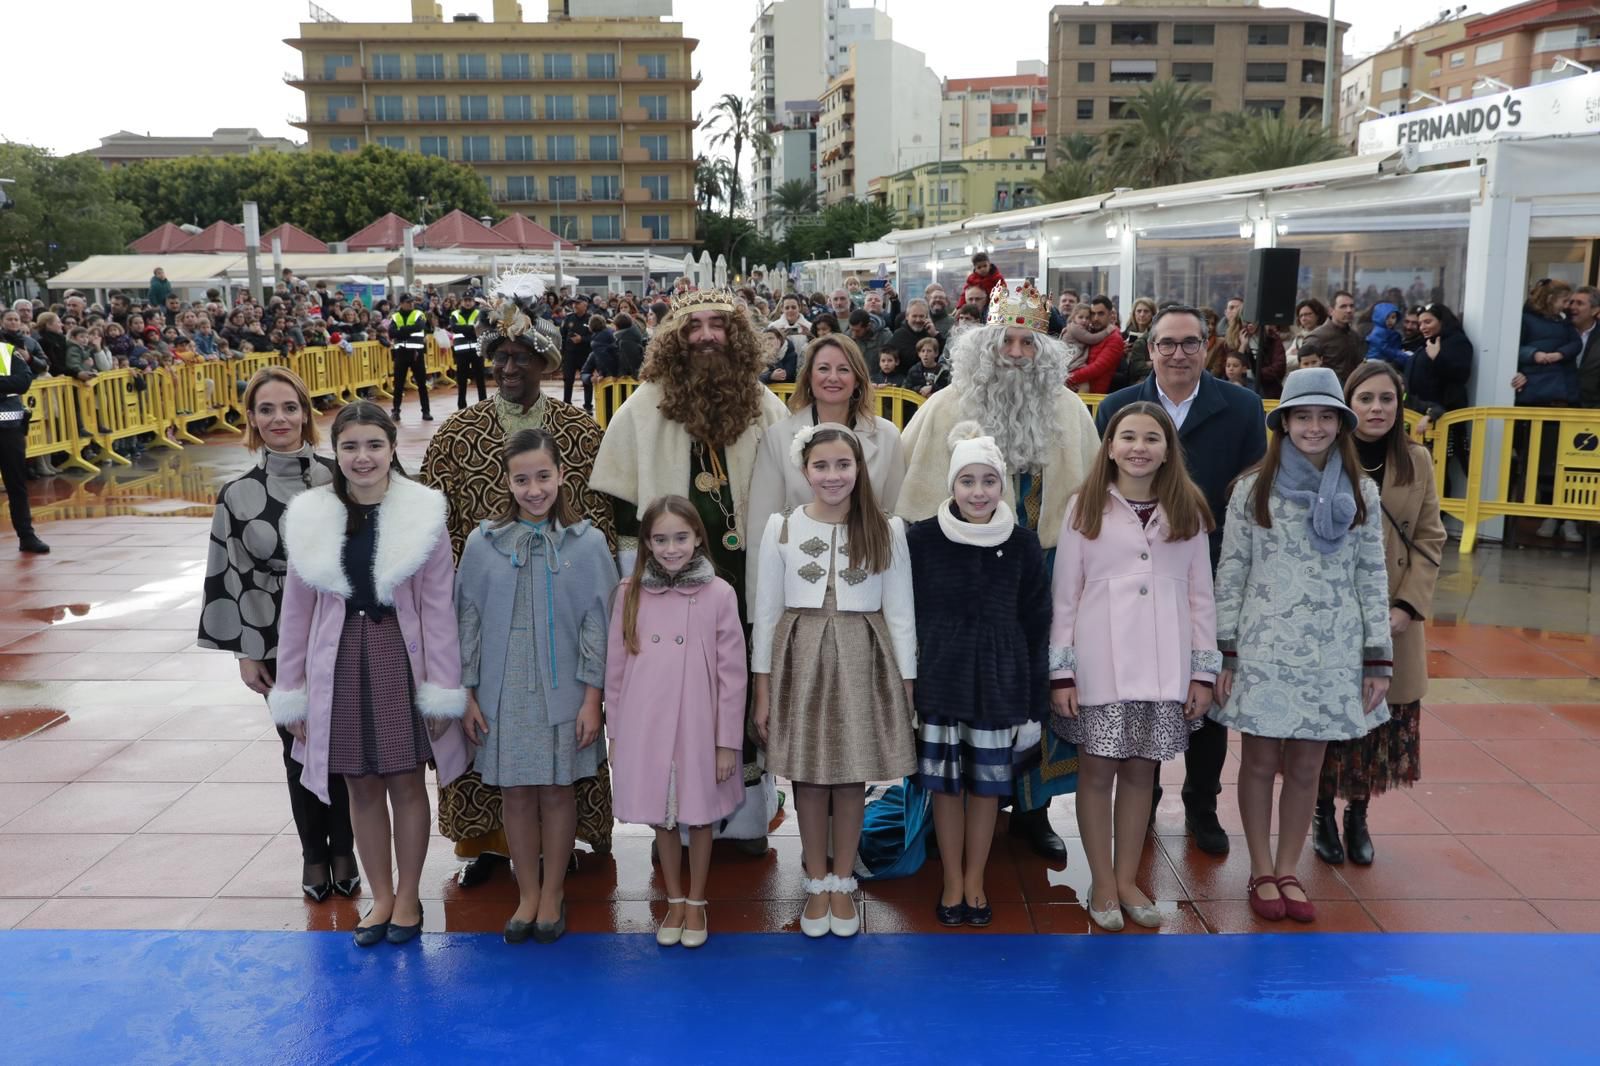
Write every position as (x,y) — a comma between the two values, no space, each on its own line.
(968,446)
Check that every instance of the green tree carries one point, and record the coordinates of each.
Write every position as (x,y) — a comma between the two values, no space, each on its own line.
(1245,143)
(734,122)
(1077,148)
(64,211)
(795,198)
(732,236)
(328,194)
(1070,180)
(836,230)
(707,183)
(1165,139)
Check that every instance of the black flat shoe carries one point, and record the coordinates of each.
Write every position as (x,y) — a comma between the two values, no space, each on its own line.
(952,916)
(479,870)
(1034,827)
(549,934)
(367,936)
(348,887)
(402,934)
(1208,833)
(317,893)
(518,931)
(979,916)
(32,545)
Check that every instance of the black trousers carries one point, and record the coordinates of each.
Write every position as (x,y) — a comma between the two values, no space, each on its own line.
(412,361)
(469,364)
(570,368)
(14,473)
(1202,768)
(324,828)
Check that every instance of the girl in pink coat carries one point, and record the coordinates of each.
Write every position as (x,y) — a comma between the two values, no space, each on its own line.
(1133,648)
(369,668)
(676,675)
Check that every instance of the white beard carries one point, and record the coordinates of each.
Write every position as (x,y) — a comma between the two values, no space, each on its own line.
(1015,402)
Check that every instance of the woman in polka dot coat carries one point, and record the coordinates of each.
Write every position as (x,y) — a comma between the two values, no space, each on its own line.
(244,594)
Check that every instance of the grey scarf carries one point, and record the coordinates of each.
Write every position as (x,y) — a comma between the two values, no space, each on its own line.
(1327,492)
(698,571)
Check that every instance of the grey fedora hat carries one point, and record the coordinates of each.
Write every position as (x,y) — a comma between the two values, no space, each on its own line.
(1313,386)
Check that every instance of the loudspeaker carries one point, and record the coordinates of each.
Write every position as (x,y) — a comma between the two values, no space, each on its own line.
(1270,286)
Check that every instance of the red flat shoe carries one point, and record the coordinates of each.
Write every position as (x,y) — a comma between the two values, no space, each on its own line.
(1271,910)
(1299,910)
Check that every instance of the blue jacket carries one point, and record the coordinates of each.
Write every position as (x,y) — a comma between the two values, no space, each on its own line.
(1549,384)
(1383,342)
(1224,434)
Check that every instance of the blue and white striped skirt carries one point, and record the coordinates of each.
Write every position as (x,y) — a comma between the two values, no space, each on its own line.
(953,757)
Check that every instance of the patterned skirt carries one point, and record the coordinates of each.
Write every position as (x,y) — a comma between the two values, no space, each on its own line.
(1388,757)
(375,727)
(1130,730)
(839,712)
(954,757)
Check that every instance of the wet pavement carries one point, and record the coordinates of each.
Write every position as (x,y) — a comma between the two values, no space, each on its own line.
(141,784)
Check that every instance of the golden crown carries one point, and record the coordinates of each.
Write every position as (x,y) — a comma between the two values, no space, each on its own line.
(688,303)
(1024,306)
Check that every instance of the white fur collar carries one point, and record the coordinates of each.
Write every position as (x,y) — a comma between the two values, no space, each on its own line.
(991,534)
(410,522)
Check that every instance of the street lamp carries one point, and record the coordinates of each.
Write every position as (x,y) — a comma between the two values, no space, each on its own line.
(1563,64)
(1420,95)
(1487,82)
(1373,110)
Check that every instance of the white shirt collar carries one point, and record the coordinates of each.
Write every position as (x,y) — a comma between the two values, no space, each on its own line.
(1170,402)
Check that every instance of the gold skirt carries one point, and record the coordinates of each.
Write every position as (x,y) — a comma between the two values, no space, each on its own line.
(839,712)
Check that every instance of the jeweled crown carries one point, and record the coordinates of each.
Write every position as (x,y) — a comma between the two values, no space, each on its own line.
(688,303)
(1024,306)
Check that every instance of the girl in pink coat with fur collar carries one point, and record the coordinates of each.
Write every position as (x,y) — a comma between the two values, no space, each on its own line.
(369,667)
(676,675)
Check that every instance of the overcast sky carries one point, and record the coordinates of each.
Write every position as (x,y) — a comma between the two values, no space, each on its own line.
(76,70)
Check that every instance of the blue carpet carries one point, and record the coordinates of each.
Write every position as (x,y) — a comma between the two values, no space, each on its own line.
(94,997)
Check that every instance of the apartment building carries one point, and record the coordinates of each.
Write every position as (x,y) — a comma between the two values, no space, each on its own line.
(993,174)
(877,117)
(122,147)
(583,122)
(796,48)
(1388,79)
(1247,57)
(1012,105)
(1519,46)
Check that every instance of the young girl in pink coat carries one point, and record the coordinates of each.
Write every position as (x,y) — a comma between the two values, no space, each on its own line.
(369,668)
(675,691)
(1133,648)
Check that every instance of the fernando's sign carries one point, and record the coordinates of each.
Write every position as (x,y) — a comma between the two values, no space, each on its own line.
(1569,106)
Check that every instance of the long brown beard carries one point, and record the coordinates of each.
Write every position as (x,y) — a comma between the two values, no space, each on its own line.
(715,394)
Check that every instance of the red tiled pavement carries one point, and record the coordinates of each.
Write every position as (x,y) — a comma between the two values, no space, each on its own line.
(141,785)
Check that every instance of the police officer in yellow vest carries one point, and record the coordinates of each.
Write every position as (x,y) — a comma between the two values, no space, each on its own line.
(408,342)
(464,337)
(16,377)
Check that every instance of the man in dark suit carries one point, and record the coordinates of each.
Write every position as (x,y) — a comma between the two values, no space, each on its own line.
(1223,432)
(1583,306)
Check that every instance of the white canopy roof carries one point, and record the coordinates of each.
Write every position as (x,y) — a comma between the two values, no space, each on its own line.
(134,271)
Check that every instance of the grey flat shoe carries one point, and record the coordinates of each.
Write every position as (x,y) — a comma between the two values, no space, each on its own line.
(549,934)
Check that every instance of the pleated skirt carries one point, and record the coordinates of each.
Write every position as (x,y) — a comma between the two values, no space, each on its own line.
(375,726)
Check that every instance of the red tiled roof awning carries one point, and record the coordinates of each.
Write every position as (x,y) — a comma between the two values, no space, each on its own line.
(217,237)
(527,233)
(293,240)
(385,234)
(460,230)
(161,240)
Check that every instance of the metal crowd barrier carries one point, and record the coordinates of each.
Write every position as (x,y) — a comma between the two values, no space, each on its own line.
(54,429)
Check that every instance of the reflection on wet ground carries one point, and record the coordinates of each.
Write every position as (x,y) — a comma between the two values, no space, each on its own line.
(141,784)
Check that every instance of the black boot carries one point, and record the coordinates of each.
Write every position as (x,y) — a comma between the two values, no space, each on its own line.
(1325,833)
(1034,827)
(1357,841)
(30,543)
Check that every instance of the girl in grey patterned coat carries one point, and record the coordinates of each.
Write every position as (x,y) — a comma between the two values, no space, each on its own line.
(1303,621)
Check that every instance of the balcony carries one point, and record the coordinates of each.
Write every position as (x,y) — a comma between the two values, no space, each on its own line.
(494,112)
(627,71)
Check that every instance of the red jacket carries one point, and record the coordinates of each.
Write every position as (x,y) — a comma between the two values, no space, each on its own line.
(986,282)
(1095,375)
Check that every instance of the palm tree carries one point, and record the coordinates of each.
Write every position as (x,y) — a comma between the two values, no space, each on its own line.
(1163,138)
(707,182)
(734,121)
(1246,143)
(1070,180)
(794,199)
(1077,148)
(728,181)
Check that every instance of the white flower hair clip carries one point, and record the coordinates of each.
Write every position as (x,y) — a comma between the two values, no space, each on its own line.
(797,447)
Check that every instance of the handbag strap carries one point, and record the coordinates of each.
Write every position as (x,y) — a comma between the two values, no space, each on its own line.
(1409,543)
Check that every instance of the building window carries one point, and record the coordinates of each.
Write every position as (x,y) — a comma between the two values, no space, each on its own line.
(331,65)
(514,65)
(1085,110)
(603,147)
(337,104)
(432,109)
(1392,80)
(655,107)
(386,67)
(1455,93)
(659,186)
(342,144)
(1267,33)
(389,108)
(1316,35)
(474,108)
(605,187)
(519,149)
(606,228)
(472,66)
(564,226)
(1086,34)
(1264,107)
(560,108)
(558,65)
(1489,53)
(601,65)
(439,146)
(602,107)
(430,67)
(522,187)
(564,187)
(1266,72)
(517,108)
(475,149)
(1133,33)
(1119,108)
(1565,39)
(1310,107)
(1191,72)
(561,147)
(1137,70)
(1085,72)
(656,145)
(397,143)
(1458,59)
(660,226)
(655,66)
(1193,33)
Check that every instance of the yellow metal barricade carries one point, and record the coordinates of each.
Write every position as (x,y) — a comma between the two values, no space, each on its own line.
(123,404)
(370,367)
(201,391)
(898,405)
(241,370)
(783,390)
(322,371)
(440,362)
(54,429)
(612,394)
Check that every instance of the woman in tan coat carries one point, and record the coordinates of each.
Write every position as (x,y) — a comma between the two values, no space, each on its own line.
(1413,540)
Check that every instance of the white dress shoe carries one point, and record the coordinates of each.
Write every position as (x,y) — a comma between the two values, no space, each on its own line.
(668,936)
(1149,917)
(693,938)
(816,927)
(1109,919)
(845,926)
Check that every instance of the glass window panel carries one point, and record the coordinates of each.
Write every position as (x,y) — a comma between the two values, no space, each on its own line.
(563,146)
(602,107)
(560,108)
(514,65)
(601,65)
(558,65)
(475,149)
(430,66)
(474,107)
(386,66)
(517,108)
(1199,272)
(603,148)
(439,146)
(519,148)
(432,109)
(655,66)
(606,227)
(472,66)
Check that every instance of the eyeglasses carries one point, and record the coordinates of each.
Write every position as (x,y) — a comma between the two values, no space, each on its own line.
(1190,345)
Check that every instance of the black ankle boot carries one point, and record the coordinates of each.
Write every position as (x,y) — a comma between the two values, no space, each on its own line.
(1357,841)
(1325,833)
